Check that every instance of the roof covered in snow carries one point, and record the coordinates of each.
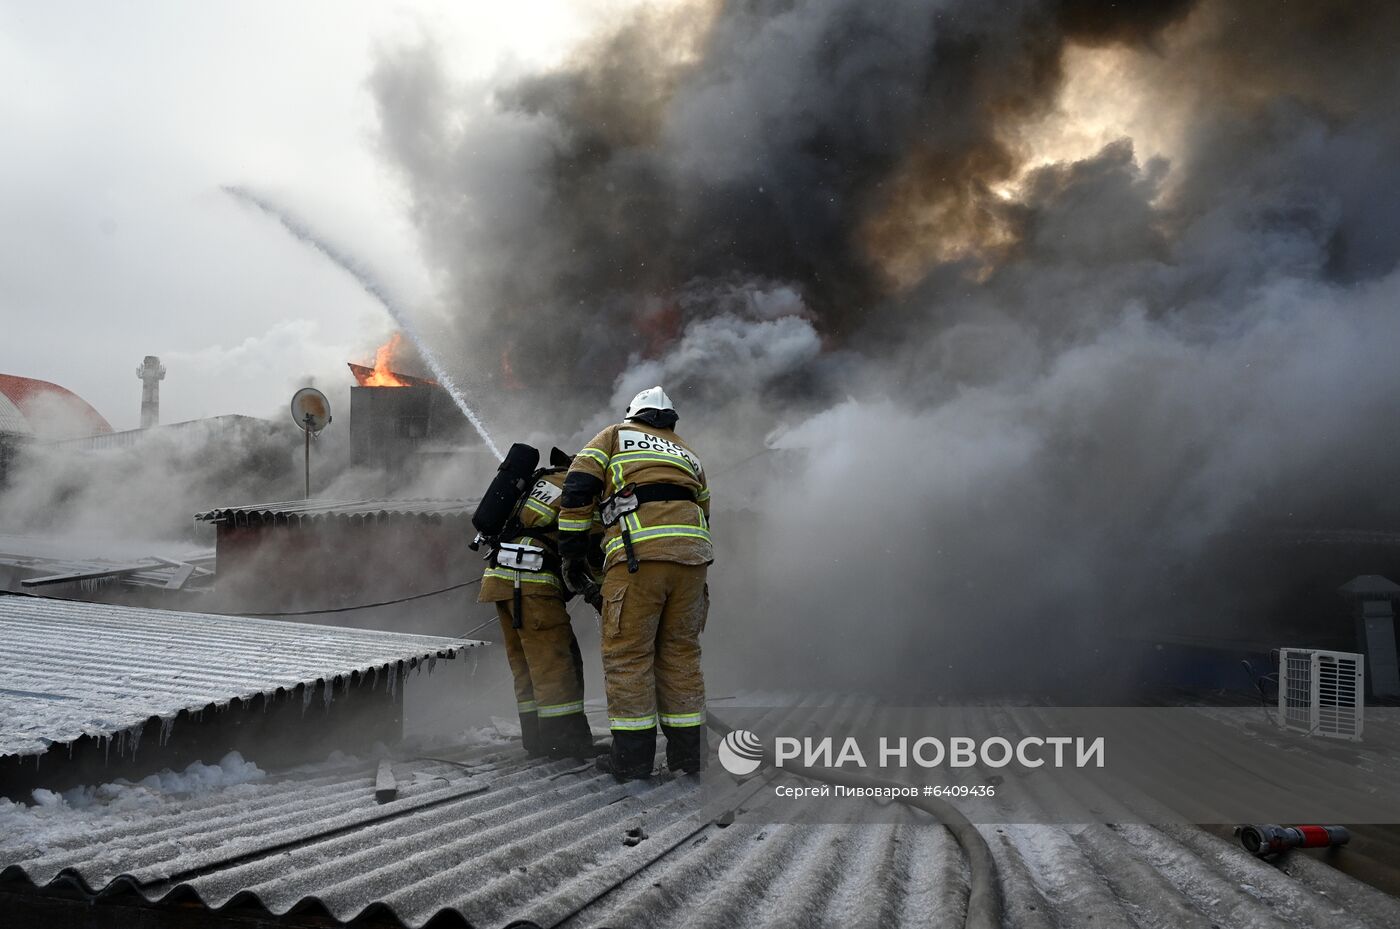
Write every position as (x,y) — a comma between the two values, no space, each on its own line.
(73,669)
(487,837)
(306,511)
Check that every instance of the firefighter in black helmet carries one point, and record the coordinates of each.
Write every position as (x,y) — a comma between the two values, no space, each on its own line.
(523,580)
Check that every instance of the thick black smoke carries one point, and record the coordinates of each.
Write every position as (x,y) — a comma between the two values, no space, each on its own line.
(1026,400)
(753,143)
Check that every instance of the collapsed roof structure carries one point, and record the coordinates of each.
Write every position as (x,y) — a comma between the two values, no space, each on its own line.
(70,569)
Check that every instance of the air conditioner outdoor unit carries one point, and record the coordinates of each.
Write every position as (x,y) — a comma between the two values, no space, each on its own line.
(1321,693)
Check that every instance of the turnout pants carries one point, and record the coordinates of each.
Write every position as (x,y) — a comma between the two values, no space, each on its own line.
(548,670)
(651,625)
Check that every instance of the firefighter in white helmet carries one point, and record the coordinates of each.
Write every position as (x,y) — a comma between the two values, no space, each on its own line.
(650,490)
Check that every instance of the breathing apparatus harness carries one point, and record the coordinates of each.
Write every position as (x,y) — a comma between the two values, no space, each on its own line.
(498,524)
(627,499)
(505,552)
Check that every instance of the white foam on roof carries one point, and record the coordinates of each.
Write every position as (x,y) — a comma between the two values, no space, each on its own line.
(69,669)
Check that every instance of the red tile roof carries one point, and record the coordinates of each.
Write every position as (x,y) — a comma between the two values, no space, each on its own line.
(28,394)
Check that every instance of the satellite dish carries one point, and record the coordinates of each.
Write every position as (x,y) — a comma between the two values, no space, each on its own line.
(310,409)
(312,412)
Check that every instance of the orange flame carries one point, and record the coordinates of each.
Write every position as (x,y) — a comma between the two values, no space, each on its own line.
(381,376)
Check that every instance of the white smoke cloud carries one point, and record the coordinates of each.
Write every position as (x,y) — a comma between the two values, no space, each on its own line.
(750,353)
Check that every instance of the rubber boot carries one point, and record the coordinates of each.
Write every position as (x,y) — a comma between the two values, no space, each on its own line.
(567,736)
(633,753)
(686,748)
(530,735)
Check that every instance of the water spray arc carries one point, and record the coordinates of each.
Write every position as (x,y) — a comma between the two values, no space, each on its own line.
(372,287)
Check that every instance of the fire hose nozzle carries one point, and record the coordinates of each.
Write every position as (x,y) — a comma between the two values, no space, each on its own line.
(1271,839)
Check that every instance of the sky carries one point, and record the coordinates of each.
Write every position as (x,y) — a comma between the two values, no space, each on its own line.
(122,123)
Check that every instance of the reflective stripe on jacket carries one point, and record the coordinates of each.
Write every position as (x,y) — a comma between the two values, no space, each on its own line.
(663,530)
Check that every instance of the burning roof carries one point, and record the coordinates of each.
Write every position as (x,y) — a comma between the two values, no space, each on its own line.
(373,377)
(380,375)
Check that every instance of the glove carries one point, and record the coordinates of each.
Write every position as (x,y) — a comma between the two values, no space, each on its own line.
(579,579)
(577,576)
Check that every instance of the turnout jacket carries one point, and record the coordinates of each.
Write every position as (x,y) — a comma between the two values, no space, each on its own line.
(662,530)
(539,515)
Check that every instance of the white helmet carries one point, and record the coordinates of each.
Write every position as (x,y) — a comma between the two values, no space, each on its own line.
(653,398)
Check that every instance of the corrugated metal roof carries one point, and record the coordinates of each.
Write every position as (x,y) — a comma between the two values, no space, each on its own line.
(300,511)
(497,838)
(75,669)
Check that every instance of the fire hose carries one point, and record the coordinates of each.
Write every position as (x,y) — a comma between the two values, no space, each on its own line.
(983,899)
(1270,839)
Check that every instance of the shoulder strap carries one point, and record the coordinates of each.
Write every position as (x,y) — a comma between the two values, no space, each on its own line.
(514,528)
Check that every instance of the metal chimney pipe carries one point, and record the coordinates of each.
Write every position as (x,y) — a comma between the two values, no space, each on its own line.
(151,373)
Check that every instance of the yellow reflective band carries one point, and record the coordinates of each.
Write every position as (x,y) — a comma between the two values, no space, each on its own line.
(528,706)
(632,723)
(661,532)
(654,458)
(703,495)
(526,577)
(535,506)
(575,525)
(599,456)
(561,709)
(678,720)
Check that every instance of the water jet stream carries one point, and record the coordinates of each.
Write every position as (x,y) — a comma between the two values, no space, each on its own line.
(376,290)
